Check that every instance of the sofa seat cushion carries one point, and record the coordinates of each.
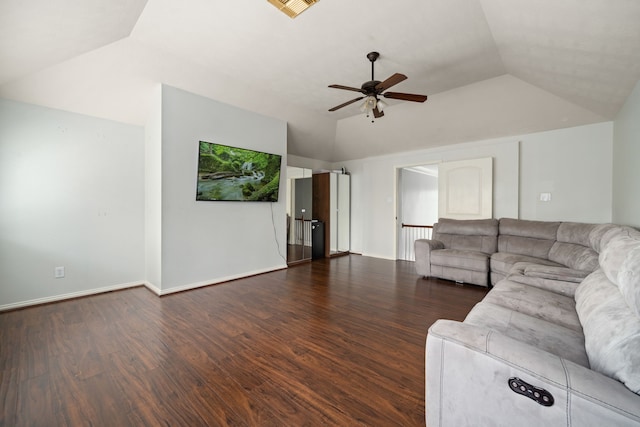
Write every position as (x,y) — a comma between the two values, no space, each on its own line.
(561,280)
(502,262)
(554,273)
(536,302)
(466,260)
(551,337)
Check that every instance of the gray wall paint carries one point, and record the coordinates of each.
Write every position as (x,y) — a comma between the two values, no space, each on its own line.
(208,242)
(626,161)
(153,193)
(575,166)
(71,195)
(80,192)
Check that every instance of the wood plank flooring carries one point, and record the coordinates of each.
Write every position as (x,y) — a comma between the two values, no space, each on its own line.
(336,342)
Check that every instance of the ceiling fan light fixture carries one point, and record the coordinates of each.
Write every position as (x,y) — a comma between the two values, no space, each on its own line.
(381,105)
(369,104)
(292,8)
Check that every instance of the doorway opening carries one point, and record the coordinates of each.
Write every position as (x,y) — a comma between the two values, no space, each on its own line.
(299,210)
(417,208)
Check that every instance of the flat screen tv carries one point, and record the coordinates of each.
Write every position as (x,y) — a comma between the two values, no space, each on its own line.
(237,174)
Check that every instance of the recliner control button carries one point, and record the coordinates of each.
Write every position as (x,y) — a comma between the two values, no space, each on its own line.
(539,395)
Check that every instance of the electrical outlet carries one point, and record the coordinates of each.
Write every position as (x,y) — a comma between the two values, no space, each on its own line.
(58,272)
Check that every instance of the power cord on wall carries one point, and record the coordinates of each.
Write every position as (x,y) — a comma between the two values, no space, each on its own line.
(275,234)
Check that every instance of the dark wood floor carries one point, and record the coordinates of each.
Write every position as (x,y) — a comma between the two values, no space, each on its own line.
(335,342)
(298,253)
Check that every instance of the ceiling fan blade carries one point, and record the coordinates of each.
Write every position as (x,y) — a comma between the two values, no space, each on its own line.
(346,103)
(405,96)
(346,88)
(391,81)
(377,113)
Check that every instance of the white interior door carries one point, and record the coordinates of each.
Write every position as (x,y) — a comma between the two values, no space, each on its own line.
(465,189)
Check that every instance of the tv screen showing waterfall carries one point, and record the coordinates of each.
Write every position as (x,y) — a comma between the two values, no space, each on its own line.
(237,174)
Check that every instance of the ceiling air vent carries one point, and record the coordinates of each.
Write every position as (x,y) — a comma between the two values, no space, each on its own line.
(292,8)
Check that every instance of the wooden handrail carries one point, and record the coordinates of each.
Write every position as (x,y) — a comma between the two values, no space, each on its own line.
(416,226)
(303,219)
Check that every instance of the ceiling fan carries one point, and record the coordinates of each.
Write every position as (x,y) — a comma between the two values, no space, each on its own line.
(375,88)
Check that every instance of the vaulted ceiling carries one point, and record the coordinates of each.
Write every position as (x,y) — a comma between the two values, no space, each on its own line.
(490,67)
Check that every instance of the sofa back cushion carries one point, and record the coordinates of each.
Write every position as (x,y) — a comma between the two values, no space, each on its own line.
(608,305)
(524,237)
(611,330)
(596,237)
(472,235)
(573,248)
(620,261)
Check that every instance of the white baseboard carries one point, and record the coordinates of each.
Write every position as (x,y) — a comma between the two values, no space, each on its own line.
(379,256)
(153,288)
(71,295)
(144,283)
(216,281)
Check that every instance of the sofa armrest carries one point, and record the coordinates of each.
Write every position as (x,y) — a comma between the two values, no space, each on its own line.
(423,248)
(468,370)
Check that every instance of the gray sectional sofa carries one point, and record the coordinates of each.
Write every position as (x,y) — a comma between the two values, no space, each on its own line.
(555,342)
(482,252)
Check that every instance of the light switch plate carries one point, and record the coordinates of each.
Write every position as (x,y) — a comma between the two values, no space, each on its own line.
(58,272)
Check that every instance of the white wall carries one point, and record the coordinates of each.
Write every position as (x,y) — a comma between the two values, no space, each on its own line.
(575,166)
(304,162)
(153,193)
(626,161)
(71,195)
(209,242)
(580,171)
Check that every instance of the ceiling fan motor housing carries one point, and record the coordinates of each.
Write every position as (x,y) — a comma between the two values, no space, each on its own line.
(369,88)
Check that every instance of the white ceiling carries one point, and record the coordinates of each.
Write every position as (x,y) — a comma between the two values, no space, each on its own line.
(490,67)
